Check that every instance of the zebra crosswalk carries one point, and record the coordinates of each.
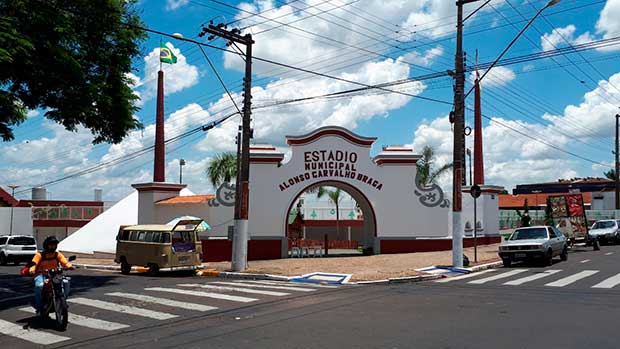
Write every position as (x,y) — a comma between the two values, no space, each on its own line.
(550,278)
(102,312)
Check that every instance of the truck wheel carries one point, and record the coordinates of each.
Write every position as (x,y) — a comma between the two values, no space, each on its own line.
(2,259)
(125,268)
(507,262)
(564,255)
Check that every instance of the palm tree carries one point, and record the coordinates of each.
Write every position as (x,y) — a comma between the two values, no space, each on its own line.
(222,168)
(334,196)
(611,174)
(426,175)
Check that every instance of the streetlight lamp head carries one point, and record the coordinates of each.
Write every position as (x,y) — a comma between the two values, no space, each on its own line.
(182,162)
(552,3)
(178,35)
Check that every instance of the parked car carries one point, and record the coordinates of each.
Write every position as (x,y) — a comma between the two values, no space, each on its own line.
(606,230)
(17,248)
(539,242)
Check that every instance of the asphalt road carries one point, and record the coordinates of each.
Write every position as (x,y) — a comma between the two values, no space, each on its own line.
(525,306)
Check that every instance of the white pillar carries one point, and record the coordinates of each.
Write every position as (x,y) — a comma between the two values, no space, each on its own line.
(349,233)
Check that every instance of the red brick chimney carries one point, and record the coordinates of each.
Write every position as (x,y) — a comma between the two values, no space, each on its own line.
(159,174)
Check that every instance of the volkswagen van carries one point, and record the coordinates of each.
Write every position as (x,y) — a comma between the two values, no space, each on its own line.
(159,247)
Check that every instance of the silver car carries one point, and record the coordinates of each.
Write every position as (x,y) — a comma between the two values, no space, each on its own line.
(605,231)
(540,242)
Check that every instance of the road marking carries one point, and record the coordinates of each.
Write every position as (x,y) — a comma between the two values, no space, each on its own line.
(203,294)
(236,289)
(125,309)
(585,261)
(609,253)
(571,279)
(30,335)
(162,301)
(497,277)
(289,288)
(284,283)
(532,277)
(466,276)
(84,321)
(609,283)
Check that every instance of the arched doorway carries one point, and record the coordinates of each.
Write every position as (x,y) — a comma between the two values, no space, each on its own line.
(360,231)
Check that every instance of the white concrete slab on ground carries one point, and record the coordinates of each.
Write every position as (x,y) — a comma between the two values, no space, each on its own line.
(84,321)
(125,309)
(162,301)
(34,336)
(203,294)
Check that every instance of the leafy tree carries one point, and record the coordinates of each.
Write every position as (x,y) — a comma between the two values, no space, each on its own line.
(426,174)
(549,213)
(222,168)
(611,174)
(70,58)
(335,196)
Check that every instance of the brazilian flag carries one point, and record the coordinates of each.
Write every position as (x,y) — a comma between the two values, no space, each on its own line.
(166,55)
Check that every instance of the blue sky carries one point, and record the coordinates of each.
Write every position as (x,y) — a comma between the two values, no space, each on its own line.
(568,101)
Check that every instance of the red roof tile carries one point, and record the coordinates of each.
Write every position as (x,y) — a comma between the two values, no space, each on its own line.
(517,201)
(191,199)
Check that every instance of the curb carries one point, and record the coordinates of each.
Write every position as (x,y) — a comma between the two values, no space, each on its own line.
(100,267)
(400,280)
(236,275)
(485,266)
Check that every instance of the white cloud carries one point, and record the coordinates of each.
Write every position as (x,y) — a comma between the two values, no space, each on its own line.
(498,76)
(560,37)
(608,23)
(528,68)
(271,124)
(178,76)
(426,59)
(172,5)
(33,113)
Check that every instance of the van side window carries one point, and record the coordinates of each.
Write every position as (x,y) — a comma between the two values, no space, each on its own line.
(165,238)
(149,236)
(156,236)
(124,235)
(133,236)
(141,235)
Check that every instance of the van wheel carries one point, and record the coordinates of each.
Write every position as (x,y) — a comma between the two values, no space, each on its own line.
(153,269)
(125,268)
(2,259)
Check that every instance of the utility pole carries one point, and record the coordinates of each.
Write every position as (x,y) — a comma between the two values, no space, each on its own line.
(240,237)
(617,166)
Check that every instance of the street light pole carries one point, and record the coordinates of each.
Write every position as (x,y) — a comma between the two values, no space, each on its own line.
(617,179)
(13,187)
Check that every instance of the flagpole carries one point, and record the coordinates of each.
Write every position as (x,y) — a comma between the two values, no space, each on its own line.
(161,42)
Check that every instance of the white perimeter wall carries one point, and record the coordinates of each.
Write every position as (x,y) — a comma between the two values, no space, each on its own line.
(22,220)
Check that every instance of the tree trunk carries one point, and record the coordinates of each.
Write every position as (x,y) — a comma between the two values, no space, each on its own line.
(337,220)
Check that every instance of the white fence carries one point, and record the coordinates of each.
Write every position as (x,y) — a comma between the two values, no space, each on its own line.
(510,219)
(22,221)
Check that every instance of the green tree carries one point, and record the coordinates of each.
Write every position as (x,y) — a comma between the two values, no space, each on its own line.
(70,58)
(222,168)
(335,196)
(426,174)
(611,174)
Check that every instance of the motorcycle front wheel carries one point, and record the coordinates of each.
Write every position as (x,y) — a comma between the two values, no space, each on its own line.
(62,314)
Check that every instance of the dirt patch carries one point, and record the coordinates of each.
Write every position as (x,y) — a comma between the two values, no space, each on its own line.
(363,267)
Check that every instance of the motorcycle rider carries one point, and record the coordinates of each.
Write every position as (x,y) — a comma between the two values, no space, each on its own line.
(48,259)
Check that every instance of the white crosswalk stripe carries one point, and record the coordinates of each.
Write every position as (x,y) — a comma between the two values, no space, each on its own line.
(203,294)
(609,283)
(84,321)
(30,335)
(285,283)
(236,289)
(498,277)
(466,276)
(288,288)
(533,277)
(125,309)
(162,301)
(572,279)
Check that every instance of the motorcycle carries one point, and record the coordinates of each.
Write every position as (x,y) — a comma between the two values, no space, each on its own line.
(53,296)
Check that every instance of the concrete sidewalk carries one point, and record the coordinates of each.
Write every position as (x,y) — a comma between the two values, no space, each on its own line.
(362,268)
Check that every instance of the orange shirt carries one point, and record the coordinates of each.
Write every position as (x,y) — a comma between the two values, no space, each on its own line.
(49,262)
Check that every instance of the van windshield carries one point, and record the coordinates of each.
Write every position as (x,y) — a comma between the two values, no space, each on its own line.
(182,241)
